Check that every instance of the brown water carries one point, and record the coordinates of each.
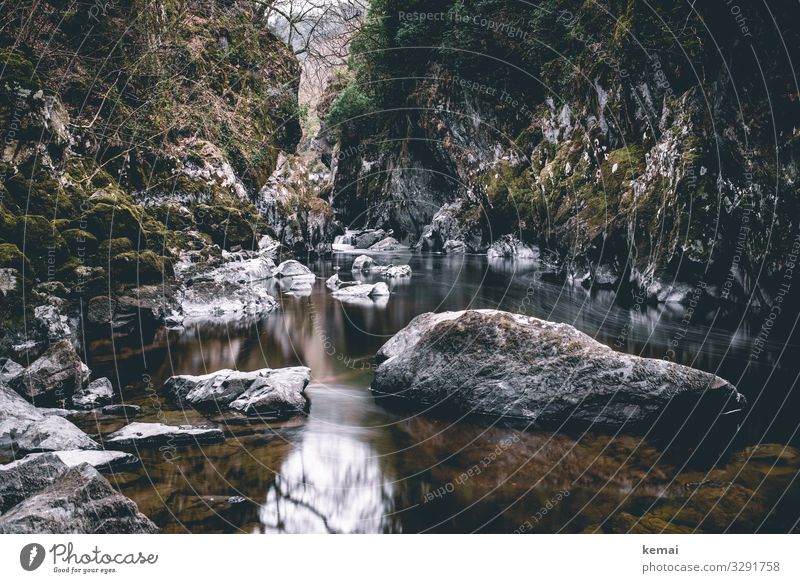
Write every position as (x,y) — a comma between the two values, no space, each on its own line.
(353,465)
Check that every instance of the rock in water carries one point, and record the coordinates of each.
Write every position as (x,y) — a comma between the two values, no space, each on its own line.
(292,268)
(362,263)
(24,428)
(106,459)
(368,238)
(454,247)
(362,290)
(510,247)
(275,392)
(387,244)
(137,434)
(332,283)
(395,270)
(496,363)
(52,377)
(80,501)
(96,394)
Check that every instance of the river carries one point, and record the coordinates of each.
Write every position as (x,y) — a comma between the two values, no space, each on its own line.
(353,465)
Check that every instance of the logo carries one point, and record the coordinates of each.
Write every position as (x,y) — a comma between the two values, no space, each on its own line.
(31,556)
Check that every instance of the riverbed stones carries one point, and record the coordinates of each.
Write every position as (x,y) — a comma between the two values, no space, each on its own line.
(139,434)
(52,377)
(79,501)
(362,263)
(97,393)
(106,460)
(495,363)
(266,392)
(24,428)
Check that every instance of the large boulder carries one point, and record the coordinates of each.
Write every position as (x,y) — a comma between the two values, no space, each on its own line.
(52,377)
(266,392)
(80,501)
(96,394)
(139,434)
(395,270)
(24,428)
(496,363)
(362,290)
(386,244)
(9,369)
(362,263)
(368,238)
(292,268)
(510,247)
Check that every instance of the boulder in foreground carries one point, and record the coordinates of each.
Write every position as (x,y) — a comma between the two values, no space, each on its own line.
(79,501)
(489,362)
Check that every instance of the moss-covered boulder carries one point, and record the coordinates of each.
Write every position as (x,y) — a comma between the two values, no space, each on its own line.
(11,257)
(113,247)
(80,243)
(144,267)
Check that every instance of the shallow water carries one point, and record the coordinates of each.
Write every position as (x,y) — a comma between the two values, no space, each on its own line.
(354,465)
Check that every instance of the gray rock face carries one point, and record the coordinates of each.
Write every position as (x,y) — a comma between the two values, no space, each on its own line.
(292,268)
(362,263)
(386,244)
(454,247)
(21,478)
(96,394)
(80,501)
(272,392)
(24,428)
(51,321)
(368,238)
(9,369)
(138,434)
(52,377)
(510,247)
(501,364)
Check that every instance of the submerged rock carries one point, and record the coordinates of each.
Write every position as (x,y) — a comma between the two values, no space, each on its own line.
(24,428)
(139,434)
(362,263)
(79,501)
(502,364)
(96,394)
(52,377)
(273,392)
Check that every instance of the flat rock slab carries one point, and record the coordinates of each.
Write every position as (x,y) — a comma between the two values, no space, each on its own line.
(495,363)
(101,459)
(362,290)
(146,434)
(79,501)
(266,392)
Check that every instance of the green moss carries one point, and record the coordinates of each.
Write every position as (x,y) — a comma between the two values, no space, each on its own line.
(81,243)
(144,267)
(42,242)
(12,257)
(113,247)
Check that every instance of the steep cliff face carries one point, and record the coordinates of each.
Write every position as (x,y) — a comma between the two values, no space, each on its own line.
(640,144)
(132,131)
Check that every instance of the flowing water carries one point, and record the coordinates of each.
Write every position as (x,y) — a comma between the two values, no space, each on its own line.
(354,465)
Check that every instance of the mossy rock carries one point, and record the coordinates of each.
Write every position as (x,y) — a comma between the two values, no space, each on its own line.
(42,242)
(229,225)
(12,257)
(113,247)
(81,243)
(108,219)
(82,279)
(144,267)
